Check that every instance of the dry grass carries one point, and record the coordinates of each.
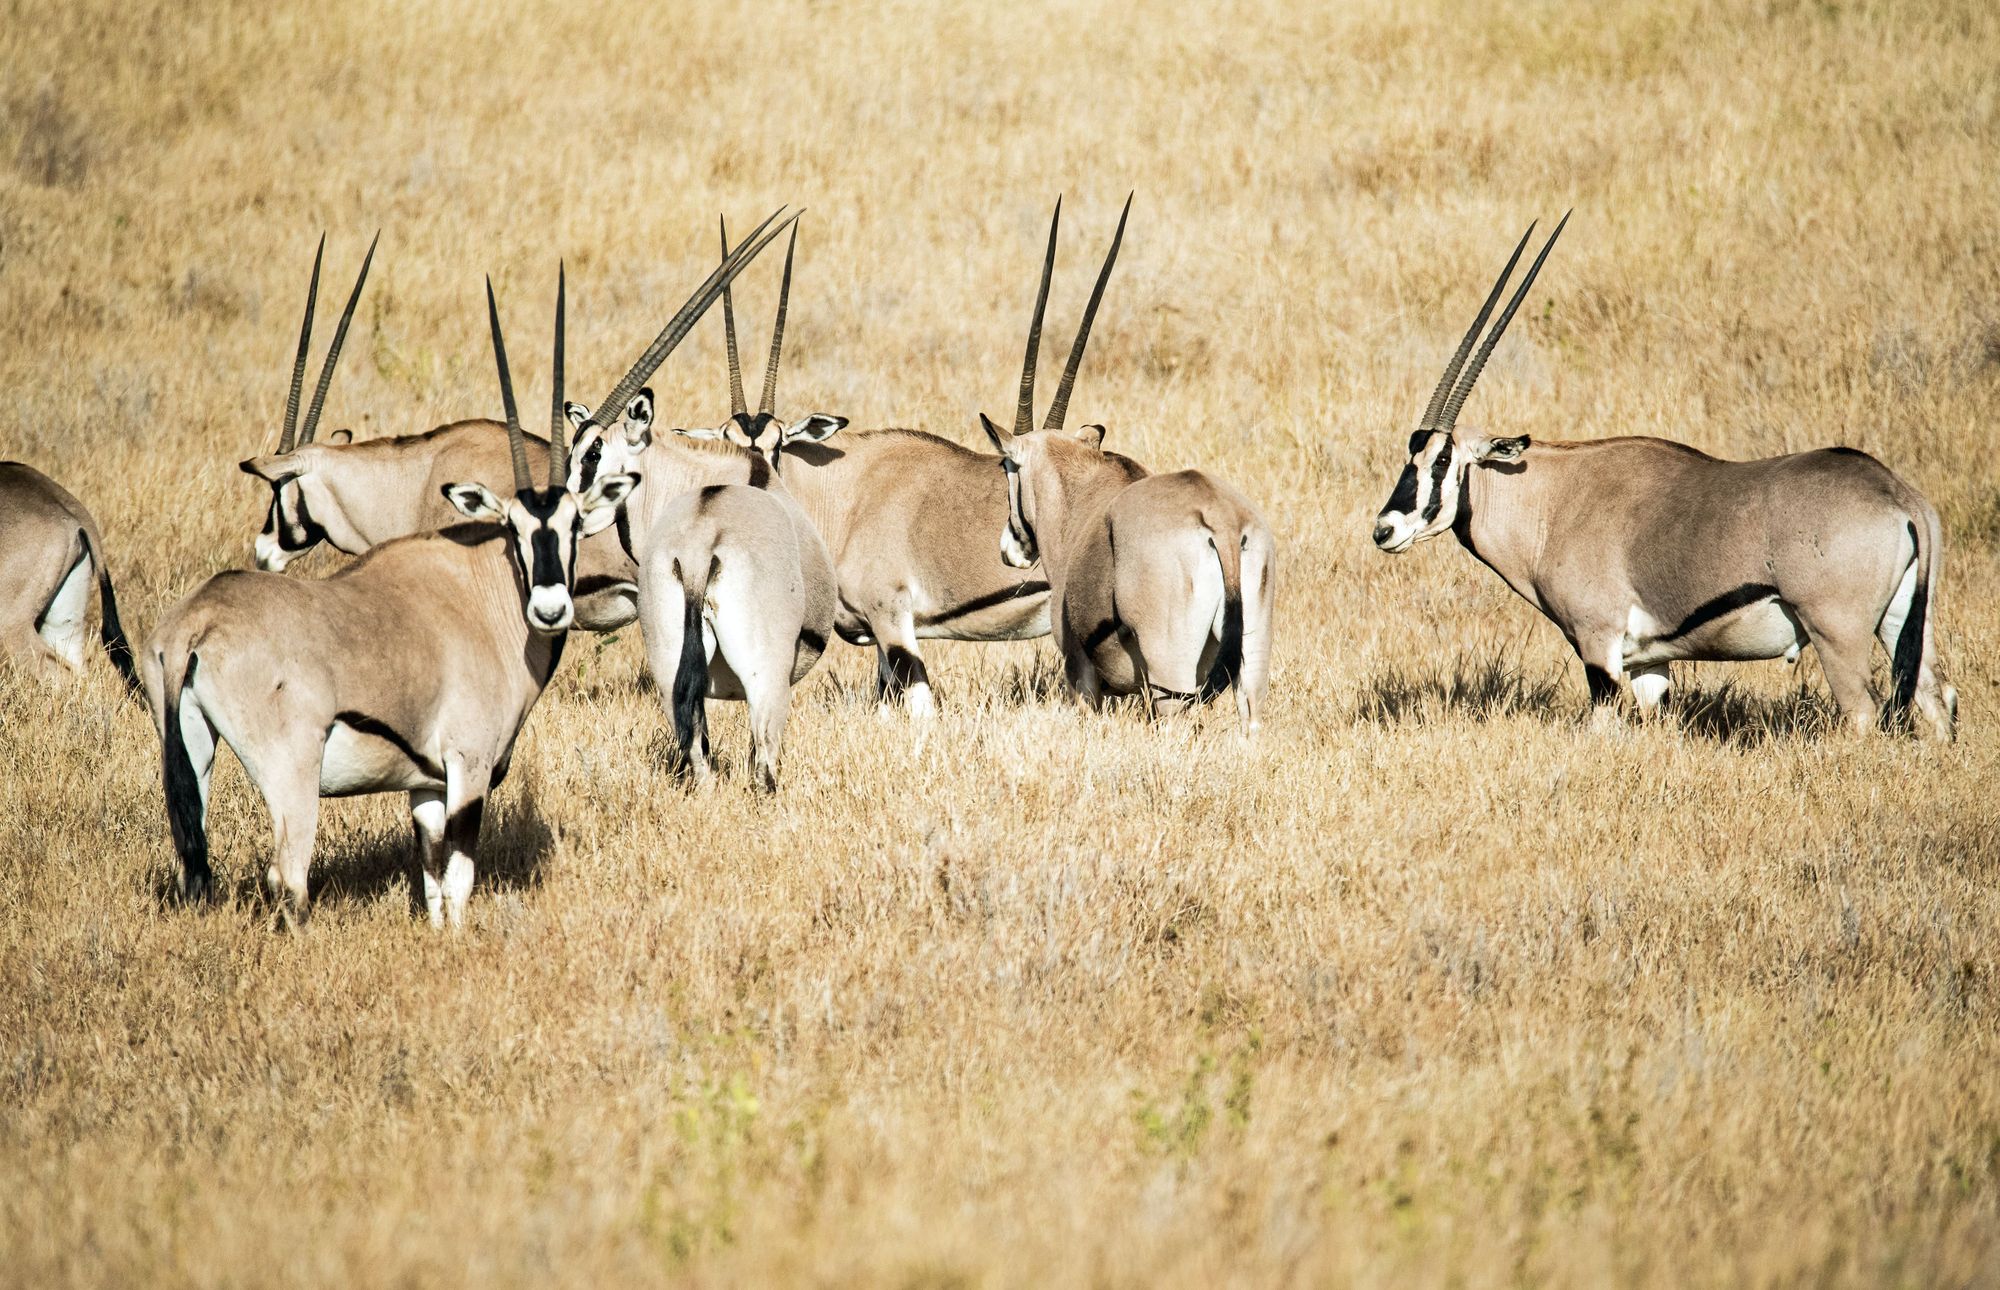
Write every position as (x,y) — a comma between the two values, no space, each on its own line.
(1429,986)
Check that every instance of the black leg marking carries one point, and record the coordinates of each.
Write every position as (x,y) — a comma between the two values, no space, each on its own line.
(1603,689)
(1726,603)
(905,668)
(362,723)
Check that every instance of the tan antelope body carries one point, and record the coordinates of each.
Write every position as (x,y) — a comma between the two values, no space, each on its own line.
(411,671)
(1645,552)
(905,515)
(736,590)
(50,548)
(1161,586)
(354,496)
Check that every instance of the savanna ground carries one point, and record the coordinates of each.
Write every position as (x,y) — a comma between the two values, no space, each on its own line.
(1428,985)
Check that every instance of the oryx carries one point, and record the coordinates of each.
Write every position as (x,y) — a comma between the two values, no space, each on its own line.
(49,549)
(736,590)
(355,496)
(1162,585)
(906,516)
(1644,551)
(411,670)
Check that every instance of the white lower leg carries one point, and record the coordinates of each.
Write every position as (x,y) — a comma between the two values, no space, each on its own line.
(457,888)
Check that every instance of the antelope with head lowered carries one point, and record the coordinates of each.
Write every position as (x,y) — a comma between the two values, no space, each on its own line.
(736,589)
(354,496)
(412,670)
(50,547)
(1162,585)
(1644,551)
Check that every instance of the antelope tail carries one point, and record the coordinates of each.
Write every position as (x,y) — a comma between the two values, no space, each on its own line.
(111,631)
(1226,540)
(1906,665)
(183,786)
(691,676)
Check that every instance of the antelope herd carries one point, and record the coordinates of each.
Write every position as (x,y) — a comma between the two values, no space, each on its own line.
(740,548)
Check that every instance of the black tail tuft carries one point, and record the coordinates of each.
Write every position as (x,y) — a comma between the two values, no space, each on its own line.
(111,631)
(1906,665)
(691,677)
(184,812)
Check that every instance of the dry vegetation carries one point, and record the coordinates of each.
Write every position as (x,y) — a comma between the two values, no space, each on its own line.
(1428,986)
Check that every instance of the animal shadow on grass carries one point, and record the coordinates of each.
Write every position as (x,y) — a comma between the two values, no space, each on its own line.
(513,846)
(1485,688)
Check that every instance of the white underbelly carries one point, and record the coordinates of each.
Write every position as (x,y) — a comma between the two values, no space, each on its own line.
(354,763)
(1764,629)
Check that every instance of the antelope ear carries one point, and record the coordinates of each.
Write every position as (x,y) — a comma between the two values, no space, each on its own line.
(639,411)
(700,432)
(1090,436)
(1499,449)
(600,504)
(817,428)
(577,414)
(274,469)
(341,436)
(474,501)
(1003,441)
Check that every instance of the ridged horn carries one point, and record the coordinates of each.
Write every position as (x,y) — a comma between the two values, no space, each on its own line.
(1060,408)
(1024,411)
(558,421)
(307,430)
(769,403)
(1457,399)
(1445,382)
(737,405)
(285,439)
(516,446)
(678,327)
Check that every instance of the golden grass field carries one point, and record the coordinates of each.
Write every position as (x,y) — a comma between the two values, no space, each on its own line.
(1429,985)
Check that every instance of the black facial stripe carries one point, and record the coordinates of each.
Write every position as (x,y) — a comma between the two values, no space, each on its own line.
(547,570)
(1404,499)
(1439,465)
(591,458)
(300,532)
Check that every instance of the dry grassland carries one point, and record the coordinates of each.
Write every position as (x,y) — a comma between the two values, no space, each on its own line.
(1428,986)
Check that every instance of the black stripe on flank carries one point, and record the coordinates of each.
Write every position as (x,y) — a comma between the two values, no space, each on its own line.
(1439,465)
(1726,603)
(1031,587)
(362,723)
(598,582)
(812,640)
(1103,632)
(625,533)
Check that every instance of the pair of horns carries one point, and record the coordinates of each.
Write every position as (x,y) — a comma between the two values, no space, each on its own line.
(1449,397)
(304,435)
(517,445)
(768,404)
(621,394)
(1024,412)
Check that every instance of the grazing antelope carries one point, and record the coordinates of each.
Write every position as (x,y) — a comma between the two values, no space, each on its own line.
(1645,551)
(412,670)
(736,591)
(1162,585)
(356,496)
(49,547)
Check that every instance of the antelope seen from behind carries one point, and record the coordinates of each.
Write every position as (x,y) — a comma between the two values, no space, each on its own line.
(1161,585)
(412,670)
(50,553)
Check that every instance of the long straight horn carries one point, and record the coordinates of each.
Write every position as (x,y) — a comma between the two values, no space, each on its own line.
(737,405)
(690,313)
(1457,400)
(769,403)
(299,363)
(1024,412)
(1060,408)
(333,354)
(1443,390)
(558,419)
(515,444)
